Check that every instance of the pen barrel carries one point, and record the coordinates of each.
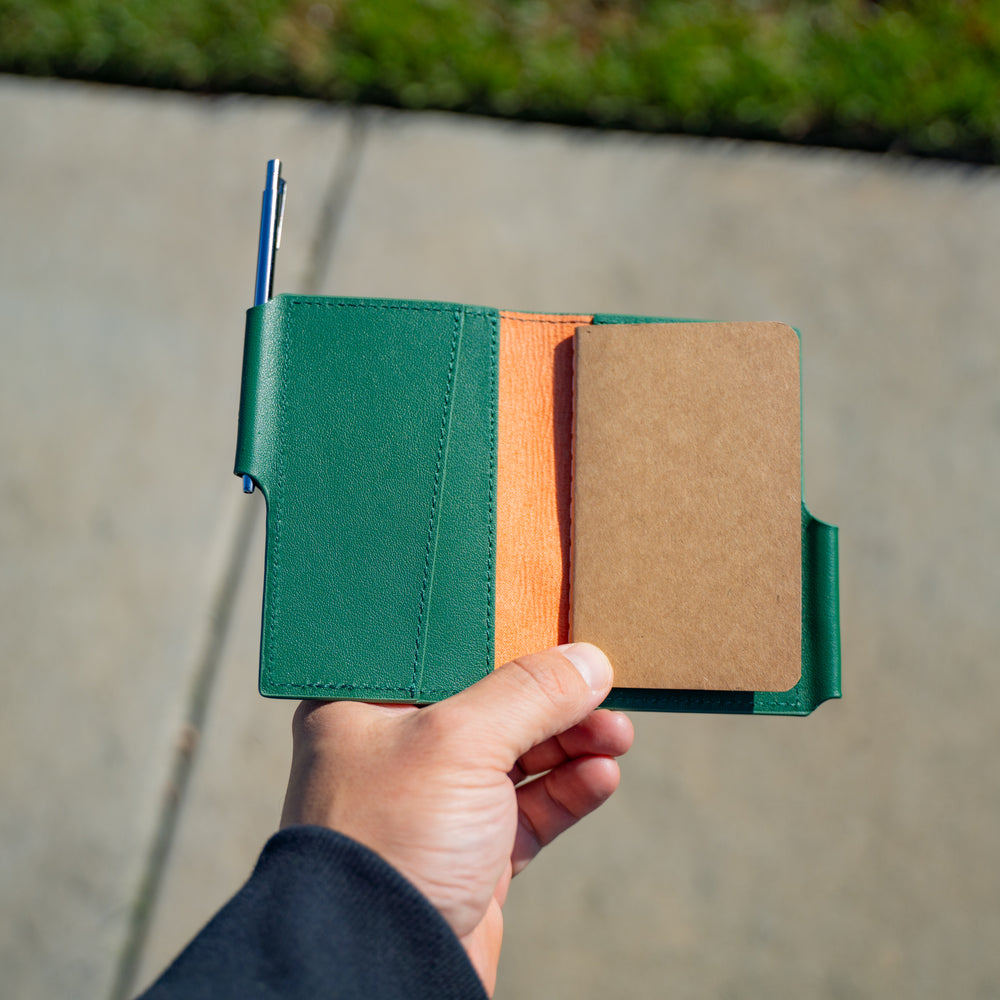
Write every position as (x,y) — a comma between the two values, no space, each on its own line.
(268,233)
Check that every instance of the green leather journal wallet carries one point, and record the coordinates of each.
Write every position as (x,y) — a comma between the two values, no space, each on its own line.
(449,486)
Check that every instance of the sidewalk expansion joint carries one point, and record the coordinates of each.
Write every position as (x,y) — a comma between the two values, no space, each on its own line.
(185,754)
(334,207)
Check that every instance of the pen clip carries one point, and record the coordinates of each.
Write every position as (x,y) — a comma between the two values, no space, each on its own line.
(272,213)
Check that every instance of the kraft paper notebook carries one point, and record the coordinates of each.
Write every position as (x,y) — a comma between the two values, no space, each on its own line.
(449,486)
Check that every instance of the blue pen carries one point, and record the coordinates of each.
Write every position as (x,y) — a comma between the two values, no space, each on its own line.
(271,213)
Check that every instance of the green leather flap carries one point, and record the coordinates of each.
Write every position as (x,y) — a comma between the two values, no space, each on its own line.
(369,429)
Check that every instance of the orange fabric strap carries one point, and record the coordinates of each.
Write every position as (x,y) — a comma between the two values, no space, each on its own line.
(534,481)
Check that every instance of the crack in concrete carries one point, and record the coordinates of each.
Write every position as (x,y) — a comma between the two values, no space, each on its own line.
(185,754)
(335,203)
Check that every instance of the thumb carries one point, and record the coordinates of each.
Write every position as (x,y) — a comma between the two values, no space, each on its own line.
(524,702)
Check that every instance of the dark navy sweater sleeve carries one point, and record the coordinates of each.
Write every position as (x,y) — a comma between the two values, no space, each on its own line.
(322,917)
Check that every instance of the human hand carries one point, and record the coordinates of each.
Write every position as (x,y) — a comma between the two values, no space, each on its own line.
(441,792)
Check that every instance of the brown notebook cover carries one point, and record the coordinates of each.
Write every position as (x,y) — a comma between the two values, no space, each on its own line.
(687,530)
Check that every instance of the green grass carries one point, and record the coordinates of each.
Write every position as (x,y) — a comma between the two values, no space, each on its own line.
(917,76)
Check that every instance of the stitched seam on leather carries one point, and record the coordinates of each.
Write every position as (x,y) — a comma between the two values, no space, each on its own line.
(394,307)
(795,702)
(491,555)
(435,497)
(330,686)
(278,503)
(542,319)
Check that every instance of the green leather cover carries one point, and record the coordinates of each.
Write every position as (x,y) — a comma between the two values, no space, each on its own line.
(370,427)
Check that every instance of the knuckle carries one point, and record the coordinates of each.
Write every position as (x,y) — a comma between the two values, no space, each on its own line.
(541,676)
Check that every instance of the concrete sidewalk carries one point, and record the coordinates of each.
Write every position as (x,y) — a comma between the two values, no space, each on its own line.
(853,853)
